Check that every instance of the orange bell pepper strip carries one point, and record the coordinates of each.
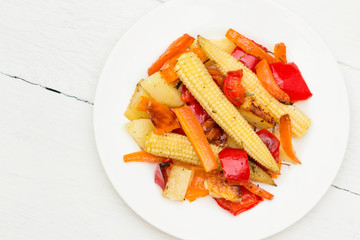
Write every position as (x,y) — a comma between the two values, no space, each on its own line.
(266,78)
(168,72)
(285,137)
(248,46)
(280,52)
(176,47)
(143,156)
(194,132)
(196,188)
(252,188)
(161,116)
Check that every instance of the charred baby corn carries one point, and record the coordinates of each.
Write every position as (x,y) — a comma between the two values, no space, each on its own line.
(196,78)
(178,147)
(225,63)
(175,146)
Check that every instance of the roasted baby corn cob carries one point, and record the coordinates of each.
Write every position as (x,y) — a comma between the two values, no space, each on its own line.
(225,63)
(259,175)
(196,78)
(175,146)
(178,147)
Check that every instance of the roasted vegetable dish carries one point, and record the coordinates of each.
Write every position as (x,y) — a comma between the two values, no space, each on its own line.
(217,117)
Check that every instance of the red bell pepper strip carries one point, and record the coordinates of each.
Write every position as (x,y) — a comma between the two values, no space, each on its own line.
(176,47)
(247,59)
(233,89)
(200,114)
(186,95)
(235,164)
(249,200)
(162,172)
(271,142)
(288,77)
(266,78)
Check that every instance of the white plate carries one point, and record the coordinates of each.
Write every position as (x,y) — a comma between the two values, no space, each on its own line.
(321,150)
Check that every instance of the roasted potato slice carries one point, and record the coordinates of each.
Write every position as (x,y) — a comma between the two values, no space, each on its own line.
(255,114)
(177,183)
(131,112)
(139,129)
(161,91)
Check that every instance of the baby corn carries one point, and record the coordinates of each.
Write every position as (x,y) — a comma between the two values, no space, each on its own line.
(175,146)
(178,147)
(196,78)
(259,175)
(225,63)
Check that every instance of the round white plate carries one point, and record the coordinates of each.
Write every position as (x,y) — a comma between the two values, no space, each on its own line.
(299,187)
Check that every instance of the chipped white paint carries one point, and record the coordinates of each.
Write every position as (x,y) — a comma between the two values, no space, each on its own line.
(51,180)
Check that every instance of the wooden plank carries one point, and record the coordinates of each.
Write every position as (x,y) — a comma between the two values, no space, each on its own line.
(348,176)
(53,185)
(52,182)
(64,45)
(336,216)
(337,22)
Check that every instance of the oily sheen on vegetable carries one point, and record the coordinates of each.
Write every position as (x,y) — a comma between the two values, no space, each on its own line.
(200,83)
(203,118)
(225,63)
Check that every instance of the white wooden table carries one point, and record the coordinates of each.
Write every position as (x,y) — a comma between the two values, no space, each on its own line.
(52,184)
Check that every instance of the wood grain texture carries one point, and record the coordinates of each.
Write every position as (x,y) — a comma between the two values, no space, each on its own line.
(52,183)
(51,179)
(64,44)
(40,37)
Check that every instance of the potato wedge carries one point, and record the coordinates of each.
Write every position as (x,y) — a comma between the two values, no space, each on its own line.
(178,182)
(161,91)
(225,44)
(256,115)
(131,112)
(139,129)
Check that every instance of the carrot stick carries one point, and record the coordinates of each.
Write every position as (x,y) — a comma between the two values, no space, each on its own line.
(143,156)
(176,47)
(252,188)
(266,78)
(285,137)
(194,132)
(161,116)
(280,52)
(248,46)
